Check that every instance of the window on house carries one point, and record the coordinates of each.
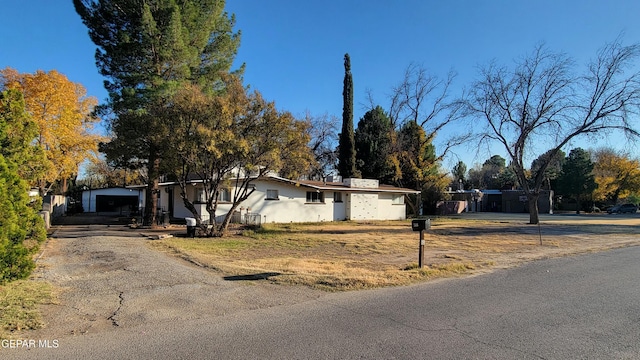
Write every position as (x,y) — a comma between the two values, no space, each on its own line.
(397,199)
(315,197)
(337,197)
(272,194)
(224,195)
(200,196)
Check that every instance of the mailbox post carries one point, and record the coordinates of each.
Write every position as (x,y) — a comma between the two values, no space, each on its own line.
(421,225)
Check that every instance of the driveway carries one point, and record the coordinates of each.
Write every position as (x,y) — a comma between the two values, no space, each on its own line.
(110,279)
(581,307)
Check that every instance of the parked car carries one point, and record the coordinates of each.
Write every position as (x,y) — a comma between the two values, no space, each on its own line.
(624,208)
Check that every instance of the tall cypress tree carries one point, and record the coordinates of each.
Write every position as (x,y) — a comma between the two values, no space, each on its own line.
(146,50)
(347,145)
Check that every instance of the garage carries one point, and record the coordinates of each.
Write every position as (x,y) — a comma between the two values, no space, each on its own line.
(111,200)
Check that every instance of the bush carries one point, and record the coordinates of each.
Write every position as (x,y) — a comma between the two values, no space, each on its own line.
(21,228)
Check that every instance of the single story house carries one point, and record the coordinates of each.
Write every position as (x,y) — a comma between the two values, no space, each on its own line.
(281,200)
(508,201)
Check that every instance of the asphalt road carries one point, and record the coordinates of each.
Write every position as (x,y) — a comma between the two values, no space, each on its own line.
(584,307)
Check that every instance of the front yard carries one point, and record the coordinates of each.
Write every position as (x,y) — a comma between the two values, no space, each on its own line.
(354,255)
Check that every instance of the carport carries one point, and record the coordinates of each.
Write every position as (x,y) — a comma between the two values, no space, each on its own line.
(111,200)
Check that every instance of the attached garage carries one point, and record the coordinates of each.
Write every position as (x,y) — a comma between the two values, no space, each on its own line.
(111,200)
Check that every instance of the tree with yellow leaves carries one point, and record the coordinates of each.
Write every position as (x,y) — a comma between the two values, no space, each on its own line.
(228,140)
(62,112)
(617,175)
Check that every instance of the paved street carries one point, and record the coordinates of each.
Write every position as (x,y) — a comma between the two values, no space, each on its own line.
(583,307)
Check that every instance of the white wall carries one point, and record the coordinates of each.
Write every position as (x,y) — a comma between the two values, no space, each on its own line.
(363,206)
(387,210)
(291,205)
(55,205)
(362,183)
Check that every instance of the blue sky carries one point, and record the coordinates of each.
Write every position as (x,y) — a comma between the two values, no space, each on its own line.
(294,50)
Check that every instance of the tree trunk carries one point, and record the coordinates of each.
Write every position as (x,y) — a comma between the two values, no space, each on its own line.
(533,208)
(189,206)
(151,197)
(222,229)
(413,206)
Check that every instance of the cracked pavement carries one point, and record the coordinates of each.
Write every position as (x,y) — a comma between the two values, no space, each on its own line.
(124,300)
(111,278)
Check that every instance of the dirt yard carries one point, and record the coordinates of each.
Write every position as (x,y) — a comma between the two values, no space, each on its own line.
(109,276)
(350,255)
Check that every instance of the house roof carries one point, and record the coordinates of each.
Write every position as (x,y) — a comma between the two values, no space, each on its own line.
(317,185)
(336,186)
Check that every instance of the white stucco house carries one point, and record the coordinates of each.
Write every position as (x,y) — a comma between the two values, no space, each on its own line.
(281,200)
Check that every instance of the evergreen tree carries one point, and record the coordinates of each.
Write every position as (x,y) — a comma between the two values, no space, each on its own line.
(346,146)
(373,146)
(459,173)
(19,220)
(420,168)
(147,49)
(576,179)
(494,174)
(554,167)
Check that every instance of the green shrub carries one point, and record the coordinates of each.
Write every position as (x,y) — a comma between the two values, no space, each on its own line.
(21,228)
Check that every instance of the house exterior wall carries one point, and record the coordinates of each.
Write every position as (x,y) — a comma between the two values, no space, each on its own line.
(363,206)
(387,210)
(292,206)
(179,210)
(55,205)
(362,183)
(339,207)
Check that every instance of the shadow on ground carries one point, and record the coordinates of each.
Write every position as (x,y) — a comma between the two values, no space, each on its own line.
(91,219)
(249,277)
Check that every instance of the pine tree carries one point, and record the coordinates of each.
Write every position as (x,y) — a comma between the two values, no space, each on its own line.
(147,50)
(459,173)
(347,149)
(373,146)
(576,179)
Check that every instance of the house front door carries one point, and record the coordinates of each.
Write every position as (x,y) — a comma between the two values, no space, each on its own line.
(339,207)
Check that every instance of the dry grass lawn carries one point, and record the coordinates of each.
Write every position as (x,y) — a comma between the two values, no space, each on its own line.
(19,306)
(354,255)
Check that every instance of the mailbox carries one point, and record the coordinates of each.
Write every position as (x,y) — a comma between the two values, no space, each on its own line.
(420,224)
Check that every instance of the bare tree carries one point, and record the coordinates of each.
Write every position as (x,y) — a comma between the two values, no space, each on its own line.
(542,103)
(424,99)
(323,130)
